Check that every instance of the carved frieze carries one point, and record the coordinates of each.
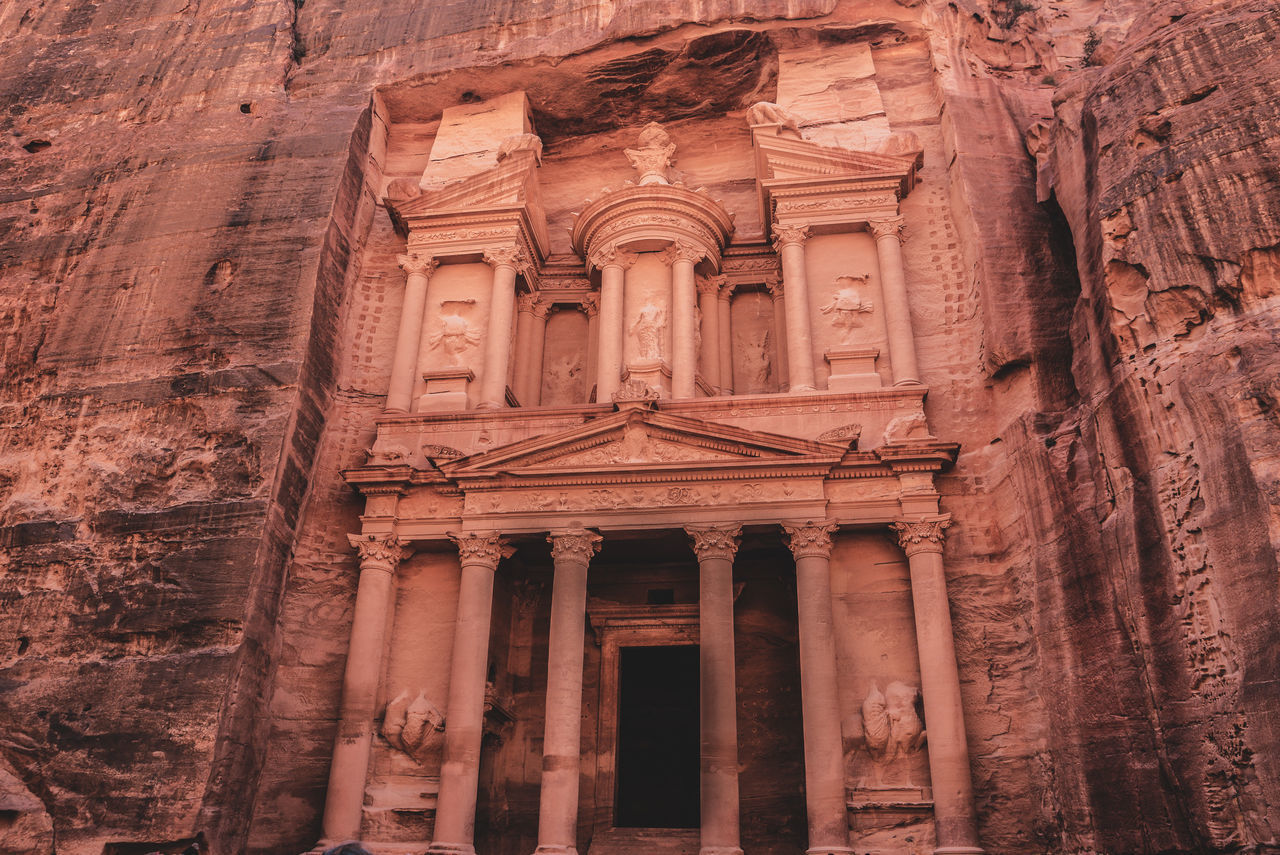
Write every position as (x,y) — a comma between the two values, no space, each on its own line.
(625,497)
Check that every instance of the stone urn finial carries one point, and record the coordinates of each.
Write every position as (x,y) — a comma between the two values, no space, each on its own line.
(655,155)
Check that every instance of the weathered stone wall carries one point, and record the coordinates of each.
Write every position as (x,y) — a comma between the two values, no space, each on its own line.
(189,191)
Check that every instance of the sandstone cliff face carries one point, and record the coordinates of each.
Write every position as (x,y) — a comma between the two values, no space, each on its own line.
(187,198)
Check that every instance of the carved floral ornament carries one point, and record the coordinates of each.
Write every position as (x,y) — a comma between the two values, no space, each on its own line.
(415,264)
(485,549)
(713,542)
(515,257)
(810,539)
(713,284)
(576,546)
(534,304)
(611,256)
(891,227)
(379,551)
(590,305)
(788,235)
(681,250)
(924,535)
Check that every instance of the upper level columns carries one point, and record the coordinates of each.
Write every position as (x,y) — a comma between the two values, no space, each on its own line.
(725,354)
(379,556)
(613,264)
(454,832)
(789,241)
(777,294)
(591,308)
(531,338)
(715,548)
(823,747)
(404,366)
(897,310)
(562,741)
(684,325)
(709,357)
(953,808)
(506,263)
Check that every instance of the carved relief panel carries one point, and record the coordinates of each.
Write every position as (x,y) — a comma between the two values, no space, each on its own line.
(845,301)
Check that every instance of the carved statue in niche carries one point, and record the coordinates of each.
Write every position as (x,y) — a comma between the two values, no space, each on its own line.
(655,155)
(846,306)
(891,722)
(562,379)
(453,335)
(414,725)
(648,329)
(757,360)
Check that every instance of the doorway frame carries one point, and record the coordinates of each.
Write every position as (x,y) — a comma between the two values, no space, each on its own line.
(617,626)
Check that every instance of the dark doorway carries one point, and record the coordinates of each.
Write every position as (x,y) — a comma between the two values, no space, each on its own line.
(658,745)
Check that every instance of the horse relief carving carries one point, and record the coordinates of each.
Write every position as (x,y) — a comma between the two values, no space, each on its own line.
(414,726)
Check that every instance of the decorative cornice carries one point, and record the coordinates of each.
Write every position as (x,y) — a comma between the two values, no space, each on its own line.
(590,305)
(788,235)
(480,548)
(924,535)
(810,538)
(515,257)
(574,545)
(379,551)
(611,256)
(890,227)
(413,263)
(714,542)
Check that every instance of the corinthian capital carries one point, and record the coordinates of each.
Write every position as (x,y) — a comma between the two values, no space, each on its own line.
(508,256)
(683,251)
(810,538)
(533,304)
(482,548)
(714,541)
(590,305)
(412,264)
(774,284)
(611,256)
(379,551)
(788,235)
(712,284)
(924,535)
(574,545)
(891,227)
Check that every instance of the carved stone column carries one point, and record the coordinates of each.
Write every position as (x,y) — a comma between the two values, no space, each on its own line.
(953,807)
(379,556)
(724,306)
(789,241)
(591,307)
(404,366)
(531,338)
(897,309)
(562,742)
(819,693)
(507,262)
(776,292)
(464,719)
(613,264)
(715,548)
(708,304)
(684,325)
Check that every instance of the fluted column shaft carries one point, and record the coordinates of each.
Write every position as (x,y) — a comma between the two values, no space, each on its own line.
(776,292)
(897,309)
(715,548)
(379,556)
(613,264)
(506,262)
(819,691)
(531,338)
(953,807)
(724,308)
(464,719)
(591,306)
(562,741)
(790,245)
(684,333)
(404,365)
(708,304)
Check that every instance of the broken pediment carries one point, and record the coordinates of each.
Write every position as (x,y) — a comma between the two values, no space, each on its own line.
(641,437)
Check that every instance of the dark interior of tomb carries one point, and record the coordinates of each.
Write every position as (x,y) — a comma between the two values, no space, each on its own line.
(658,738)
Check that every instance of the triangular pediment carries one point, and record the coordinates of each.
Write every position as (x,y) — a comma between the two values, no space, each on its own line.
(641,438)
(785,162)
(511,183)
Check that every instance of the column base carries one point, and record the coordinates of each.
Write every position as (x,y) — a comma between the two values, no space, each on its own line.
(450,849)
(913,382)
(959,850)
(805,388)
(719,850)
(555,849)
(829,850)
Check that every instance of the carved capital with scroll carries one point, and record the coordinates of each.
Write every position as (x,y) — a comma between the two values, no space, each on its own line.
(576,546)
(715,541)
(774,285)
(533,304)
(590,305)
(379,551)
(788,235)
(515,257)
(810,538)
(414,264)
(683,251)
(612,256)
(484,549)
(921,535)
(891,227)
